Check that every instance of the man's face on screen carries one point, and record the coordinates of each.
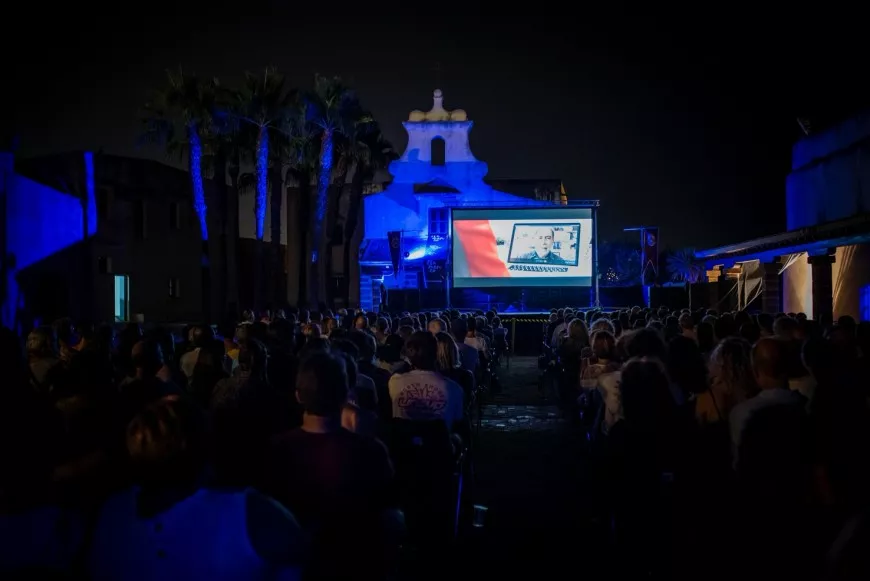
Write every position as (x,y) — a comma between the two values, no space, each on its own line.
(543,240)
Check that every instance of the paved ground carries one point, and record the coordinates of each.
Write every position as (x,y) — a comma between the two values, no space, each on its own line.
(532,474)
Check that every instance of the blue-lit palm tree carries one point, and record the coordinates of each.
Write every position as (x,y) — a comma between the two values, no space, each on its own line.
(178,118)
(263,105)
(333,108)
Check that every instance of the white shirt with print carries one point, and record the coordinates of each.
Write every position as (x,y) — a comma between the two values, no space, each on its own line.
(426,395)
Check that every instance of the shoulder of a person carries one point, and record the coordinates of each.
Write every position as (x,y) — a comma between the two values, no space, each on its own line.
(274,532)
(287,438)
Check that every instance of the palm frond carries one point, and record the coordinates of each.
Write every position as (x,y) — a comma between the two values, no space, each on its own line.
(684,267)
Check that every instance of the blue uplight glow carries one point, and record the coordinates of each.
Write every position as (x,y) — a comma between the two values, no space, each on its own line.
(262,181)
(864,302)
(199,204)
(323,181)
(40,222)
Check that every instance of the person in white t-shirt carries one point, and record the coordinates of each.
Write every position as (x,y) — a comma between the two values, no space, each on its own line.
(422,393)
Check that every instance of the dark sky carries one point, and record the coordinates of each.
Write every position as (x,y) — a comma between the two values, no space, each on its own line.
(678,119)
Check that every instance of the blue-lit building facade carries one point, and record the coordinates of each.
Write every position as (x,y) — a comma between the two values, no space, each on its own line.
(436,172)
(99,238)
(821,265)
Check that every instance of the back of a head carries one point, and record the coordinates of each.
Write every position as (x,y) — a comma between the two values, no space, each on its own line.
(322,383)
(603,344)
(448,352)
(686,322)
(201,334)
(645,342)
(422,350)
(437,326)
(785,327)
(346,347)
(471,323)
(41,342)
(459,329)
(769,361)
(391,350)
(645,391)
(147,355)
(365,344)
(253,356)
(167,443)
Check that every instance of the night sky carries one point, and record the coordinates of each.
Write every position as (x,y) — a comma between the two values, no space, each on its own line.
(682,120)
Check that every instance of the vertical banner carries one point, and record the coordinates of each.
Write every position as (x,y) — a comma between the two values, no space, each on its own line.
(395,240)
(650,255)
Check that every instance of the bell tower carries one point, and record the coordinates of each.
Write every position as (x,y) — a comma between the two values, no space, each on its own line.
(438,148)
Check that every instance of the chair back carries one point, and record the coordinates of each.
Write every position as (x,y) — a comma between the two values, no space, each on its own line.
(425,465)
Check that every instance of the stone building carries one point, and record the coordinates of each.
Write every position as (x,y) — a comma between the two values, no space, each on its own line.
(821,264)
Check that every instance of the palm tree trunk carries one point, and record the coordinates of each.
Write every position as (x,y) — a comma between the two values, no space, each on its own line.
(232,235)
(320,242)
(221,297)
(199,206)
(331,224)
(275,205)
(350,225)
(260,212)
(304,221)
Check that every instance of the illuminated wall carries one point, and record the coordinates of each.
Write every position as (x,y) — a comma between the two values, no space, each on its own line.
(797,289)
(419,185)
(851,274)
(851,278)
(40,222)
(830,175)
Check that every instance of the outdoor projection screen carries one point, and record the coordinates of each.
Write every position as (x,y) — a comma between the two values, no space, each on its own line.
(522,247)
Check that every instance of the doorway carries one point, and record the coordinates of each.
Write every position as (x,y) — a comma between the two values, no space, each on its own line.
(122,298)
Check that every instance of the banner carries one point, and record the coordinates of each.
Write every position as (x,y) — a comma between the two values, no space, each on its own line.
(395,240)
(650,255)
(435,270)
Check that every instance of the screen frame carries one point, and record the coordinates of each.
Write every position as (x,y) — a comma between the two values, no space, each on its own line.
(590,282)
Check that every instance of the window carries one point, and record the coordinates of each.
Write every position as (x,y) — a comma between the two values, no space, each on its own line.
(174,288)
(438,154)
(140,219)
(122,298)
(174,216)
(439,222)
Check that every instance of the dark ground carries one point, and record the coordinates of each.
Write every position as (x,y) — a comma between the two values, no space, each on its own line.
(533,474)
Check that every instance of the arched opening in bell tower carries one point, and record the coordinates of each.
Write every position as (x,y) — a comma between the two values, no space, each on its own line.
(438,151)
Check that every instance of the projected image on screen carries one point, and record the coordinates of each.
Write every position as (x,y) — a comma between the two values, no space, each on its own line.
(544,244)
(549,246)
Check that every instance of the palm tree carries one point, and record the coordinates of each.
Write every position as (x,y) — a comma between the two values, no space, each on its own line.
(684,267)
(303,153)
(263,105)
(374,153)
(179,118)
(333,108)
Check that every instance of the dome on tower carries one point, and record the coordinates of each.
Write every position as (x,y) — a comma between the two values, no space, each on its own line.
(438,114)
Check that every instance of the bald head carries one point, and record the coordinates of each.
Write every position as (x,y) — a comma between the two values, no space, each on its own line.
(770,363)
